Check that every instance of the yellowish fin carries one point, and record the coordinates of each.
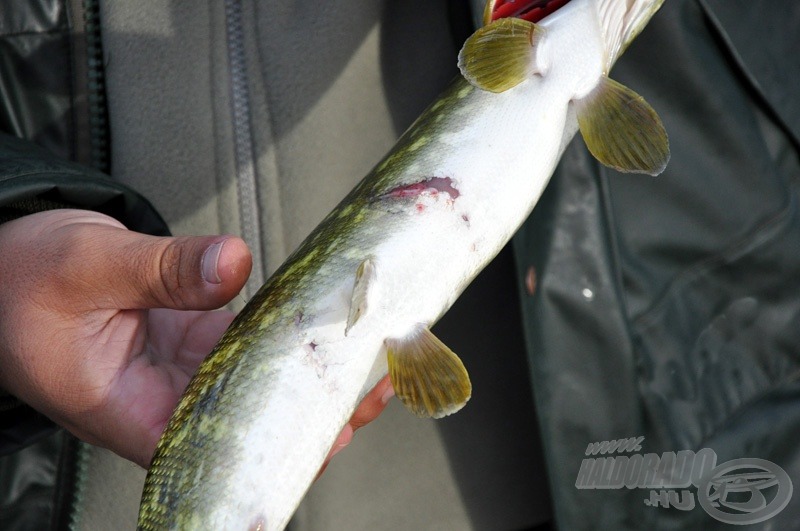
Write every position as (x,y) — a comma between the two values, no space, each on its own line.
(427,376)
(622,130)
(500,55)
(487,12)
(365,277)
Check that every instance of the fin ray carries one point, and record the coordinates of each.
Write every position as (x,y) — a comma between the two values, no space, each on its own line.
(428,377)
(622,130)
(488,9)
(500,55)
(359,303)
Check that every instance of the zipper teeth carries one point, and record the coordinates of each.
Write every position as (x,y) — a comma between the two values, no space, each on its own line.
(96,87)
(81,460)
(243,141)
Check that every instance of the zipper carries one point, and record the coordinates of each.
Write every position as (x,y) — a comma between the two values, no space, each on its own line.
(99,138)
(246,184)
(71,471)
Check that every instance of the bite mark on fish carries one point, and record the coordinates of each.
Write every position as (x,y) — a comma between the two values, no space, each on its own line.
(432,186)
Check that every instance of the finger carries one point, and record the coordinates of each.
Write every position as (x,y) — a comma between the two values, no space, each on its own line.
(135,271)
(342,441)
(373,404)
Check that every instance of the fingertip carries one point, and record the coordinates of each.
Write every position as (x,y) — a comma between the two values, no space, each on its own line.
(232,263)
(199,272)
(373,404)
(225,267)
(345,437)
(196,272)
(386,390)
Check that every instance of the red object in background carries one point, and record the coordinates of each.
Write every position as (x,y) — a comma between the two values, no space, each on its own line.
(530,10)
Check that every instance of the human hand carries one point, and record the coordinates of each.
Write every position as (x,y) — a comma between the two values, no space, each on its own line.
(80,339)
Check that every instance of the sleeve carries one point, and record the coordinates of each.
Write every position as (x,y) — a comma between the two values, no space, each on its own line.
(33,180)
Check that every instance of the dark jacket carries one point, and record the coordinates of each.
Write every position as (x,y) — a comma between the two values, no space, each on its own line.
(668,308)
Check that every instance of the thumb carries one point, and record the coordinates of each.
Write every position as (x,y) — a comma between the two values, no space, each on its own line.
(108,266)
(183,273)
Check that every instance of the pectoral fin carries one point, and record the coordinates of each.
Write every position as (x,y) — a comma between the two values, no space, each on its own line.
(500,55)
(359,302)
(622,130)
(427,376)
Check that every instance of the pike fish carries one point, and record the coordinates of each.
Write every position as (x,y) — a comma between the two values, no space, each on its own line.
(357,299)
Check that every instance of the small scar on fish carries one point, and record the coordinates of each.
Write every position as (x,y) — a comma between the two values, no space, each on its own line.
(466,219)
(432,186)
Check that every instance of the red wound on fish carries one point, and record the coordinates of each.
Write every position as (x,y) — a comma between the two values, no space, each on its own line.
(432,186)
(530,10)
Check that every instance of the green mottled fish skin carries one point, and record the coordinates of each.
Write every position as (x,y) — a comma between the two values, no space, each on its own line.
(203,432)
